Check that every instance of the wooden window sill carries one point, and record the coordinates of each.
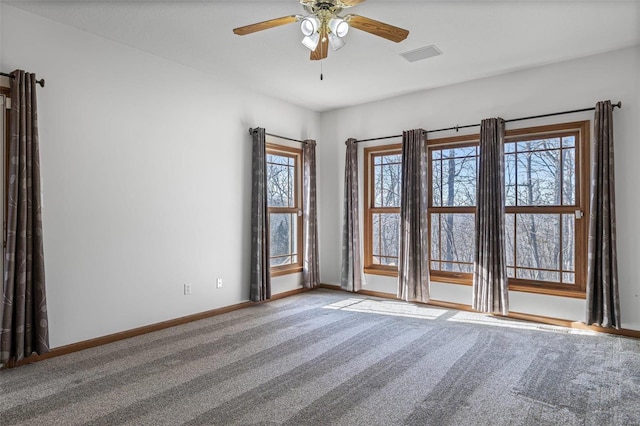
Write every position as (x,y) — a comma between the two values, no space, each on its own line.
(285,271)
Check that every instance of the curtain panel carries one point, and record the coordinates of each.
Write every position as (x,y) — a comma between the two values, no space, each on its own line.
(351,275)
(603,304)
(24,322)
(310,271)
(490,292)
(413,270)
(260,266)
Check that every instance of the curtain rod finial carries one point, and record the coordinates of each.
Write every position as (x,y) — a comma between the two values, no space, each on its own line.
(619,104)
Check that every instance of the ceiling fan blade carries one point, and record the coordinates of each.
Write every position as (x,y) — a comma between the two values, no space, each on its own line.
(322,49)
(265,25)
(350,3)
(378,28)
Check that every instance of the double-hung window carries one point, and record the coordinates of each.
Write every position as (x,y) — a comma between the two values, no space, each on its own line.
(383,175)
(453,174)
(547,205)
(284,209)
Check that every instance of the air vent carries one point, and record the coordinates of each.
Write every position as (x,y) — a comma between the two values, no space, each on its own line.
(421,53)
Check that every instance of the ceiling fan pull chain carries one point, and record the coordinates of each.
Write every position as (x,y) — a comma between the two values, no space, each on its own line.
(321,76)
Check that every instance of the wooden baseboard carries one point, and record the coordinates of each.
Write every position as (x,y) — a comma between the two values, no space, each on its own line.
(329,286)
(514,315)
(110,338)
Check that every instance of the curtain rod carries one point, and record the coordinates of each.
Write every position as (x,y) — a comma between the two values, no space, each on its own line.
(40,82)
(278,136)
(456,128)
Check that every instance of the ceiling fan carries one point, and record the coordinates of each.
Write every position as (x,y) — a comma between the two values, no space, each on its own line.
(323,26)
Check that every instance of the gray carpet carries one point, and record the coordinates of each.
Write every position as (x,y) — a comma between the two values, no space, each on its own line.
(331,358)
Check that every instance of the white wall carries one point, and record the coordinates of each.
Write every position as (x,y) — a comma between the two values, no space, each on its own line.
(146,179)
(564,86)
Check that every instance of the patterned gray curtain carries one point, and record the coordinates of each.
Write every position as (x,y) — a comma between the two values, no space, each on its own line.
(310,271)
(413,270)
(351,278)
(490,292)
(603,304)
(24,322)
(260,267)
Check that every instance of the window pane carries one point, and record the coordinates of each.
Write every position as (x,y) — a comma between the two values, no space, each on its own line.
(509,147)
(458,177)
(457,267)
(545,173)
(510,178)
(387,177)
(386,235)
(568,177)
(435,237)
(283,241)
(280,181)
(436,181)
(391,185)
(277,159)
(457,240)
(568,242)
(531,274)
(459,152)
(391,159)
(291,186)
(538,242)
(541,252)
(538,174)
(508,233)
(376,238)
(568,278)
(389,261)
(538,145)
(568,141)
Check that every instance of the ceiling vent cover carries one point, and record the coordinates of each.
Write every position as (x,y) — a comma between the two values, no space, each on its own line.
(421,53)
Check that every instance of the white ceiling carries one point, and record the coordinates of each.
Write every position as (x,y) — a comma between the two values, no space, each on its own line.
(477,38)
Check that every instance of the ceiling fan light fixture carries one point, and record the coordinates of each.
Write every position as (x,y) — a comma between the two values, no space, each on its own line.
(336,42)
(311,41)
(309,25)
(338,26)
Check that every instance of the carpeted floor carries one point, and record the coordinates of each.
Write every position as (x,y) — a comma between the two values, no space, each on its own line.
(331,358)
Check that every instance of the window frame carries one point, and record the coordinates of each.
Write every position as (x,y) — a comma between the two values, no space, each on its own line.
(444,143)
(296,154)
(369,209)
(581,129)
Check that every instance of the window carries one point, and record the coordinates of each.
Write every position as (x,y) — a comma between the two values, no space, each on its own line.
(383,168)
(453,172)
(283,204)
(546,205)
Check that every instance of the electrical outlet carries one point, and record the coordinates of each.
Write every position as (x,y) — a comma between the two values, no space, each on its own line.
(219,283)
(187,289)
